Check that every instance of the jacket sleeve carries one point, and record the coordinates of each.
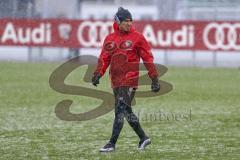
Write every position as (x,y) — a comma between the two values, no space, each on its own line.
(144,51)
(103,61)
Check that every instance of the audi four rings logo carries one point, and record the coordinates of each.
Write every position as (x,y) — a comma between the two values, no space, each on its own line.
(226,36)
(92,34)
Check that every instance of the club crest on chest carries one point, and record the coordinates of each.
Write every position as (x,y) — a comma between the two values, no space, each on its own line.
(124,45)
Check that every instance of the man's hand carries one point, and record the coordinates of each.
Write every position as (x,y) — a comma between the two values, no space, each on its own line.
(155,85)
(95,79)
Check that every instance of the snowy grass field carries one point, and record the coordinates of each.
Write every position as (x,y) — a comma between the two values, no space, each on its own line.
(206,102)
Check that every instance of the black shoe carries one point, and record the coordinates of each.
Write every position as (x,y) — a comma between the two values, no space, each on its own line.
(109,147)
(143,143)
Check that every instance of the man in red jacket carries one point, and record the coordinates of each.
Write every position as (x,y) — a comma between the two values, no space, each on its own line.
(122,51)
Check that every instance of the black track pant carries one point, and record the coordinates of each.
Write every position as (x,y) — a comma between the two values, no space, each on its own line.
(123,98)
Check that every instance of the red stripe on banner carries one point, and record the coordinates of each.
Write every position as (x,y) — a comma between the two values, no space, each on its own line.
(186,35)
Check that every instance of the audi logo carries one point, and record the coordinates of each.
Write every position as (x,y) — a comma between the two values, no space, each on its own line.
(93,33)
(226,36)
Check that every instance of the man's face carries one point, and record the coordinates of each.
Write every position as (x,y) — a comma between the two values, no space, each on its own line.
(125,25)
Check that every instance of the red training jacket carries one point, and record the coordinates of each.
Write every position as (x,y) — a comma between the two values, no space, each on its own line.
(122,51)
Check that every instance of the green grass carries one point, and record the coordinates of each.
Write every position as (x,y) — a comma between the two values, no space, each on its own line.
(29,128)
